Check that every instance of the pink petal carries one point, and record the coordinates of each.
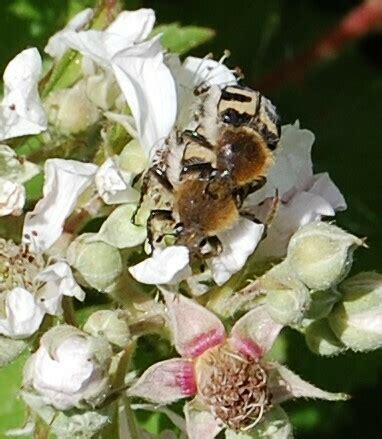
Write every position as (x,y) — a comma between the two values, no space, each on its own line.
(195,329)
(166,382)
(201,423)
(255,332)
(285,385)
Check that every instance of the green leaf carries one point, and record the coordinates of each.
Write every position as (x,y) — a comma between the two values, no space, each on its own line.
(34,187)
(10,349)
(180,40)
(12,414)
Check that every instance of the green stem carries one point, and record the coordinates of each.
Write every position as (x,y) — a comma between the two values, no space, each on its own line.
(128,428)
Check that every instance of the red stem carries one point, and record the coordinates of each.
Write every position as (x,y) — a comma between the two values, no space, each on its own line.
(356,23)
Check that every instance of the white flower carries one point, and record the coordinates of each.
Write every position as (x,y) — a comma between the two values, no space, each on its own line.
(21,111)
(29,289)
(304,197)
(69,368)
(167,266)
(23,314)
(121,48)
(113,185)
(65,180)
(238,243)
(12,197)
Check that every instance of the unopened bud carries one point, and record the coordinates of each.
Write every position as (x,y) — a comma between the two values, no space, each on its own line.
(357,319)
(322,303)
(111,325)
(80,364)
(321,254)
(321,339)
(133,158)
(98,264)
(287,298)
(71,111)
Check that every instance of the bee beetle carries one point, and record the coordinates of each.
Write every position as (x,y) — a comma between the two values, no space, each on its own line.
(241,129)
(212,167)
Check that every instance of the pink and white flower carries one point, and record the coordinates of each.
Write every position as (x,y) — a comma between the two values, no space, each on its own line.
(232,384)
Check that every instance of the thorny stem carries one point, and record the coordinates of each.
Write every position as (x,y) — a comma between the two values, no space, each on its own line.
(355,24)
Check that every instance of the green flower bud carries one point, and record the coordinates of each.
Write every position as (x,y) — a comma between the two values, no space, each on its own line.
(102,90)
(322,303)
(98,264)
(357,319)
(119,231)
(321,339)
(287,298)
(133,158)
(321,254)
(70,110)
(111,325)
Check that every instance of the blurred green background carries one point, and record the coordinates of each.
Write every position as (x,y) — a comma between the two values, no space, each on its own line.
(338,99)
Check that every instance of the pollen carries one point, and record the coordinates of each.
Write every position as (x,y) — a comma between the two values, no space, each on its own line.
(18,266)
(234,386)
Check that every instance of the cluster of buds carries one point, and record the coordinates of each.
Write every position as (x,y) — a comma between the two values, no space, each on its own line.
(112,96)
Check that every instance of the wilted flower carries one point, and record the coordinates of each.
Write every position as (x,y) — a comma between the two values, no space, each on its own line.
(234,387)
(69,369)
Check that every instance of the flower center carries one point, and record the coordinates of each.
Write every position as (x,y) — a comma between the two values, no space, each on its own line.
(234,386)
(18,266)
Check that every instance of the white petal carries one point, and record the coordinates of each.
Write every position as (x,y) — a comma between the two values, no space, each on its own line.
(152,98)
(112,186)
(23,314)
(195,329)
(59,281)
(21,111)
(135,26)
(56,46)
(238,243)
(12,197)
(324,187)
(166,382)
(195,72)
(203,71)
(292,170)
(15,169)
(301,209)
(167,266)
(201,423)
(65,180)
(124,32)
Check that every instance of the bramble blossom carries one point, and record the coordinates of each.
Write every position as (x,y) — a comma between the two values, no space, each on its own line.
(233,386)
